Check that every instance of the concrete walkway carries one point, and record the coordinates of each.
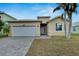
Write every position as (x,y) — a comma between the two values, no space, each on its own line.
(15,46)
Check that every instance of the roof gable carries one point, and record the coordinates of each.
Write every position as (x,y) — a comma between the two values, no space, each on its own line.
(58,17)
(7,15)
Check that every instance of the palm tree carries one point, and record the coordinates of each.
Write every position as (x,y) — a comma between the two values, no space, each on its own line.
(69,9)
(63,6)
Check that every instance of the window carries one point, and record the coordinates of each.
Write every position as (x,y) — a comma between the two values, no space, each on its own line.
(58,27)
(74,28)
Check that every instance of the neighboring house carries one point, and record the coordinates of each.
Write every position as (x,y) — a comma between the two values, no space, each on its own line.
(42,26)
(5,17)
(75,28)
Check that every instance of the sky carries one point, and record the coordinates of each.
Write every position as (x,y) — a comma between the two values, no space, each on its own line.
(32,10)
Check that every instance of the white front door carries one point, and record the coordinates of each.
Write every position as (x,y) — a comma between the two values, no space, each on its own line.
(23,31)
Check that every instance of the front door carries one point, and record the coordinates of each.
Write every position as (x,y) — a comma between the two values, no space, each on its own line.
(43,29)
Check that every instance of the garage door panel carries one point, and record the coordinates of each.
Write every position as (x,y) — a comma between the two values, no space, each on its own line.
(23,31)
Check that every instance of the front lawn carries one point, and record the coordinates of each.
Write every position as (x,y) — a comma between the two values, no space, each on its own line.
(56,46)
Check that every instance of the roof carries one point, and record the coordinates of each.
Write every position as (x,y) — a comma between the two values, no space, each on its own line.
(61,17)
(32,20)
(55,18)
(7,15)
(43,17)
(20,21)
(27,19)
(75,24)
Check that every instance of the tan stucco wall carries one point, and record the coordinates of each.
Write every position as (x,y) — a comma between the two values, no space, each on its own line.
(44,20)
(52,27)
(36,24)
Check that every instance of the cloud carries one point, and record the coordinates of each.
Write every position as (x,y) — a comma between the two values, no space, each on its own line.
(36,7)
(45,11)
(31,11)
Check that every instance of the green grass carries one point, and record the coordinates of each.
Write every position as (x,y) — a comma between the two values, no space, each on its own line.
(55,46)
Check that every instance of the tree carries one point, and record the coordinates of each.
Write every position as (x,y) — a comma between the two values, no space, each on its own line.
(6,29)
(1,25)
(63,6)
(69,9)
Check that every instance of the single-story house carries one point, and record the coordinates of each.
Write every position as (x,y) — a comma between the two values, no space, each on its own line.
(44,25)
(75,28)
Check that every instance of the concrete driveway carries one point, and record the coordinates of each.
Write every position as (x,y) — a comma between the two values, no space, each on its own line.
(15,46)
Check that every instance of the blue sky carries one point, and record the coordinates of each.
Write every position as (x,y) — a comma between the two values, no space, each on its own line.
(32,10)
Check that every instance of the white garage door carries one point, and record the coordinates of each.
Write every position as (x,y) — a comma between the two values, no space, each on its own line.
(23,31)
